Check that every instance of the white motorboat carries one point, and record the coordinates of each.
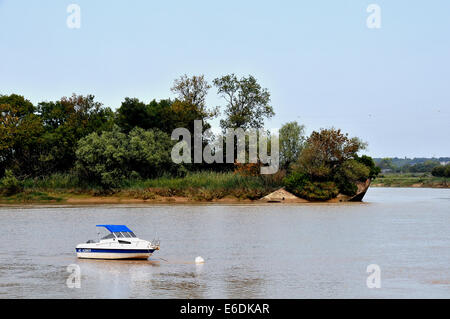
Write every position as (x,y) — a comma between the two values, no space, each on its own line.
(120,243)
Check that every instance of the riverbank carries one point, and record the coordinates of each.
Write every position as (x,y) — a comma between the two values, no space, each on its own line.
(29,198)
(414,180)
(195,188)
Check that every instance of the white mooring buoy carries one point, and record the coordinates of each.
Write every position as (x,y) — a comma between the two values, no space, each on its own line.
(199,260)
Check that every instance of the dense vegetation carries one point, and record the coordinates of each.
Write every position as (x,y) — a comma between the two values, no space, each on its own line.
(328,165)
(441,171)
(77,144)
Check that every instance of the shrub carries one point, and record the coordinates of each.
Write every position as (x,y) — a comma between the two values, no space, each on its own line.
(441,171)
(295,181)
(325,150)
(347,188)
(10,185)
(350,172)
(370,163)
(319,191)
(300,185)
(112,157)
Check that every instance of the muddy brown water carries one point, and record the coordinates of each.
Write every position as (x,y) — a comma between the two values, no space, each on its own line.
(251,251)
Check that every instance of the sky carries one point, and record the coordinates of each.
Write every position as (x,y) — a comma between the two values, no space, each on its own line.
(321,63)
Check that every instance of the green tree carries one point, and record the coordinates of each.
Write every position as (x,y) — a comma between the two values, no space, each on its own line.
(150,152)
(441,171)
(190,104)
(424,167)
(193,91)
(20,133)
(348,174)
(9,184)
(108,158)
(65,122)
(247,103)
(325,151)
(102,159)
(165,115)
(329,164)
(386,163)
(134,113)
(370,163)
(292,141)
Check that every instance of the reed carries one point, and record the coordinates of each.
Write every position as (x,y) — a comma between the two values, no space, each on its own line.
(201,186)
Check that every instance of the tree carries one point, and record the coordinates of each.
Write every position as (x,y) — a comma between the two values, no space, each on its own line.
(149,152)
(102,159)
(133,113)
(182,114)
(20,133)
(325,151)
(291,143)
(159,116)
(386,163)
(247,103)
(370,163)
(65,122)
(190,104)
(441,171)
(165,115)
(347,174)
(329,164)
(193,91)
(424,167)
(108,158)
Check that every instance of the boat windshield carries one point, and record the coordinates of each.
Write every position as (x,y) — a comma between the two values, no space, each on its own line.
(128,234)
(109,236)
(120,235)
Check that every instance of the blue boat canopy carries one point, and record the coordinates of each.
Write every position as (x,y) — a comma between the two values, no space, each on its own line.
(116,228)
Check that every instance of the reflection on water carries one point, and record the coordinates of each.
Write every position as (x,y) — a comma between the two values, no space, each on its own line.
(267,251)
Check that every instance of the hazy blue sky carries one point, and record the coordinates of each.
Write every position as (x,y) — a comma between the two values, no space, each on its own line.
(323,66)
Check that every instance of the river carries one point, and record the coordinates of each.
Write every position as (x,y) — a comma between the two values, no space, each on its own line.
(251,251)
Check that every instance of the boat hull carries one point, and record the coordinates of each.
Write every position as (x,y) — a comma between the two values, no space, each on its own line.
(84,253)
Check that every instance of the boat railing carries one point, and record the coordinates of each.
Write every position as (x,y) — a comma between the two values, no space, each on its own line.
(155,243)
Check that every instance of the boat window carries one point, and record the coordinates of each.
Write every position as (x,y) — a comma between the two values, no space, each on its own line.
(109,236)
(119,235)
(132,234)
(125,234)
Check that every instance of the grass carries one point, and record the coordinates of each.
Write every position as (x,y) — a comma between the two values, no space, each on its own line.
(204,186)
(207,180)
(411,180)
(199,186)
(30,197)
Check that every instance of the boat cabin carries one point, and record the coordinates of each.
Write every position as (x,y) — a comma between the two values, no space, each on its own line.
(118,231)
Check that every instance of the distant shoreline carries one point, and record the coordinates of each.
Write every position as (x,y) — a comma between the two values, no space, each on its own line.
(411,181)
